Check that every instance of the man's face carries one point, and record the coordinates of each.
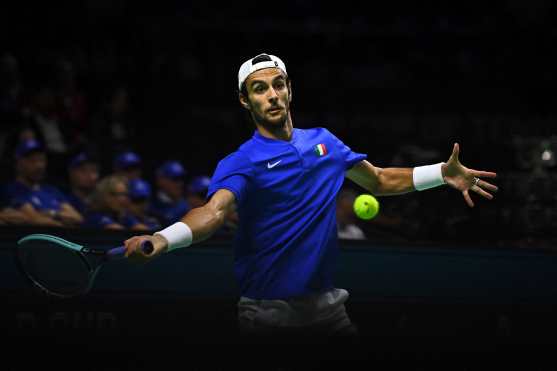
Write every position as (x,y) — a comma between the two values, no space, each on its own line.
(32,167)
(269,97)
(84,176)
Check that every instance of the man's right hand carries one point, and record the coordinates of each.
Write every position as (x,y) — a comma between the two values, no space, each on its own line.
(136,255)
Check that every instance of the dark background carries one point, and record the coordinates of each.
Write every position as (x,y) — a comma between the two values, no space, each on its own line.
(401,83)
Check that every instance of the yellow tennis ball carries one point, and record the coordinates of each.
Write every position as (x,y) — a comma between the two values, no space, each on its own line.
(366,206)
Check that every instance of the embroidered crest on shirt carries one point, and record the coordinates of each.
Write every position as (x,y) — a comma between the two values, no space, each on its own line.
(320,150)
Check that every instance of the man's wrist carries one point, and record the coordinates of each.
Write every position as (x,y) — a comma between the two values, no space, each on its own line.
(177,235)
(429,176)
(160,243)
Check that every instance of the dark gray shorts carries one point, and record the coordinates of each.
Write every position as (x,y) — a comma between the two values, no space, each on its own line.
(322,313)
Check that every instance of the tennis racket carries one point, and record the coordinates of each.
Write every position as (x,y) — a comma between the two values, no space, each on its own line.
(62,268)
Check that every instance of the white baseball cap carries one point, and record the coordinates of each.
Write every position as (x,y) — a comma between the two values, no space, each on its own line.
(258,63)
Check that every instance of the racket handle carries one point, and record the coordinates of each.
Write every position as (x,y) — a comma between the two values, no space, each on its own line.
(119,252)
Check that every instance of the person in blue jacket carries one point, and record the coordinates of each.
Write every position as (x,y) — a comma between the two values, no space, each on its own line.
(39,203)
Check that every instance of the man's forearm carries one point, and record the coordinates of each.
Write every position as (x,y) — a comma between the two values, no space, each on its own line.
(203,221)
(394,181)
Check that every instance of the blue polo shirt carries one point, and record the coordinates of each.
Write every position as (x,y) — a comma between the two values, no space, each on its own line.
(286,243)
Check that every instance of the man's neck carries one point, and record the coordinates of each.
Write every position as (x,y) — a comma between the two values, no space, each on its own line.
(282,133)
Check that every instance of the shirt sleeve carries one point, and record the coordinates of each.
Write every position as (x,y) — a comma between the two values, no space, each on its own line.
(350,157)
(233,173)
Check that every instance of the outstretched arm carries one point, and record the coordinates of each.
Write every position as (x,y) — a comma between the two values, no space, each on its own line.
(202,221)
(393,181)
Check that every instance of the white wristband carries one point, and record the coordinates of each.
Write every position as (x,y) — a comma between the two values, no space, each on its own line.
(428,176)
(178,235)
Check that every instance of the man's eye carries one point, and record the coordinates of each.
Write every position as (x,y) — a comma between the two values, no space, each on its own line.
(259,89)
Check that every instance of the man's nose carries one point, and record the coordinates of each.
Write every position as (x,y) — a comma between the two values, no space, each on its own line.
(272,94)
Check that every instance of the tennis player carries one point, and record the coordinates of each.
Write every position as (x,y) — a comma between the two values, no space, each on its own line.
(283,182)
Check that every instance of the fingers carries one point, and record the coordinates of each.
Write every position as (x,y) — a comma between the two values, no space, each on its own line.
(133,245)
(456,151)
(483,174)
(481,192)
(488,186)
(467,198)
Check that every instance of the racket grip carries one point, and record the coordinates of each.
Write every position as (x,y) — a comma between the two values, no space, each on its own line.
(119,252)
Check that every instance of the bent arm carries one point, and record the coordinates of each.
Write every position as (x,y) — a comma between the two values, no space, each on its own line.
(382,181)
(35,217)
(205,220)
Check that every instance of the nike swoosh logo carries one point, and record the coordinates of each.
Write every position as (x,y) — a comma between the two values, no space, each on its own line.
(270,166)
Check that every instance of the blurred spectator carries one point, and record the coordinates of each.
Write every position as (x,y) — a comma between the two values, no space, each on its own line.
(346,218)
(169,204)
(40,203)
(197,190)
(72,105)
(83,172)
(43,122)
(109,203)
(138,219)
(128,164)
(113,125)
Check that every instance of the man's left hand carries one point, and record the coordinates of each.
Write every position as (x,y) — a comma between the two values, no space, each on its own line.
(460,177)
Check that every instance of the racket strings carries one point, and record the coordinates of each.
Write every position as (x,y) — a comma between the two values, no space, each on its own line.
(54,268)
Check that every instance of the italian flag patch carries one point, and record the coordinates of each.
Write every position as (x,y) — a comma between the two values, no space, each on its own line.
(320,150)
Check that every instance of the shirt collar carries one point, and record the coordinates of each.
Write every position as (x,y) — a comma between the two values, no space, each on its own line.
(258,136)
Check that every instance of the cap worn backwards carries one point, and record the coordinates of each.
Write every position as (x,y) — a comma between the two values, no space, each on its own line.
(258,63)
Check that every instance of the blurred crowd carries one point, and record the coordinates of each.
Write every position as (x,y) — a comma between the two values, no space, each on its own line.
(121,199)
(80,111)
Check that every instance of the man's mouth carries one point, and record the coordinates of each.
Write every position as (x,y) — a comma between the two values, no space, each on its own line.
(275,109)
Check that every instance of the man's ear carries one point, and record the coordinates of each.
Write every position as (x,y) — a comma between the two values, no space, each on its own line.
(243,101)
(289,92)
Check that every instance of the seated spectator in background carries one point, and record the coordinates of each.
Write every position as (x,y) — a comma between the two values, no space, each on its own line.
(109,204)
(197,192)
(114,125)
(138,218)
(83,173)
(128,164)
(72,104)
(41,204)
(346,218)
(169,204)
(42,123)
